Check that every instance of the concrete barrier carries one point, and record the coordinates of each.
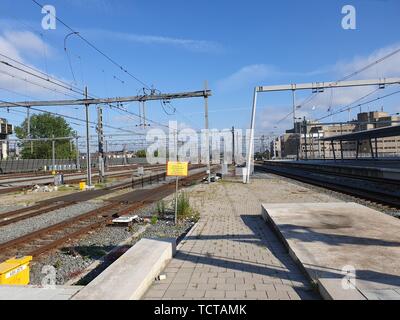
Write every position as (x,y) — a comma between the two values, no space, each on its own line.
(132,274)
(349,251)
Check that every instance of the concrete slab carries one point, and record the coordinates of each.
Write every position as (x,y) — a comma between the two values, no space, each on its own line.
(38,292)
(131,275)
(333,241)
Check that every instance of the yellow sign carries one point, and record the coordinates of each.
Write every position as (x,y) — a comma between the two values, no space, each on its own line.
(177,169)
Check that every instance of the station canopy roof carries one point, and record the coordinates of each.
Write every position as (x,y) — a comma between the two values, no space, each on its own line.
(384,132)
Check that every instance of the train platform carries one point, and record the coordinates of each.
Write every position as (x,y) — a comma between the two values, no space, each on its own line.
(38,292)
(231,253)
(350,251)
(374,169)
(369,163)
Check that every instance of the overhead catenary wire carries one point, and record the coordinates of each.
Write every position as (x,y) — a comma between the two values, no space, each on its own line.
(357,72)
(123,69)
(37,84)
(47,76)
(71,88)
(71,117)
(361,104)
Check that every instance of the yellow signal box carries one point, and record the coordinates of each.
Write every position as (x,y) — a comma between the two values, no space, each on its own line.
(15,271)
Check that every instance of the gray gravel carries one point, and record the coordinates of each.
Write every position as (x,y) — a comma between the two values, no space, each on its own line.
(4,209)
(77,256)
(23,227)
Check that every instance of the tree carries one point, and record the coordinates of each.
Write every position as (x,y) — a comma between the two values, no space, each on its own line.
(46,126)
(141,154)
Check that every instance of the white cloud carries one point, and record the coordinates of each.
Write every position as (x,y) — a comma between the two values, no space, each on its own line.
(17,45)
(188,44)
(27,42)
(272,118)
(387,68)
(246,76)
(343,97)
(255,74)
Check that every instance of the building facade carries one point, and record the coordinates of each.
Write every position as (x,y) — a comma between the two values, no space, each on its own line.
(308,145)
(6,129)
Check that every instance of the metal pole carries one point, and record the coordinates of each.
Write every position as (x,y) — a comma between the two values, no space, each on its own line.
(53,149)
(106,155)
(305,138)
(144,115)
(88,160)
(78,163)
(250,148)
(341,149)
(28,116)
(176,201)
(101,142)
(372,149)
(294,125)
(207,128)
(333,149)
(233,146)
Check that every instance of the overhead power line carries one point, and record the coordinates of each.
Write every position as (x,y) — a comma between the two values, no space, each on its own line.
(64,85)
(123,69)
(374,63)
(361,104)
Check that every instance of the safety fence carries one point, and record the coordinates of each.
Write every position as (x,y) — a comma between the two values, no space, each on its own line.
(34,165)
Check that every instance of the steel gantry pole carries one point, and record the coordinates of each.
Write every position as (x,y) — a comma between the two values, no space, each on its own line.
(297,138)
(100,135)
(251,140)
(207,131)
(78,164)
(53,153)
(88,160)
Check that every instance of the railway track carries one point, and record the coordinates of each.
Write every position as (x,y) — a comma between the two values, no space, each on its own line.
(40,174)
(28,176)
(68,180)
(44,176)
(381,193)
(11,217)
(46,239)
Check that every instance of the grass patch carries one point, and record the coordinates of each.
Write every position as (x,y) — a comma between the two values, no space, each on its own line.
(154,220)
(185,210)
(161,208)
(100,185)
(67,188)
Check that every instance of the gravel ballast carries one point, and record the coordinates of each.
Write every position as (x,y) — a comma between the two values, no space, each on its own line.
(71,261)
(24,227)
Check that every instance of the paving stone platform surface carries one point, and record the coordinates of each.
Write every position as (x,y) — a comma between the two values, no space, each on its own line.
(232,253)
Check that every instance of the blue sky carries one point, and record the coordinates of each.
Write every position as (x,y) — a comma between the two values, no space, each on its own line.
(175,45)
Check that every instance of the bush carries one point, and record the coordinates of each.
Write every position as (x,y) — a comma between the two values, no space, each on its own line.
(154,220)
(161,208)
(185,211)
